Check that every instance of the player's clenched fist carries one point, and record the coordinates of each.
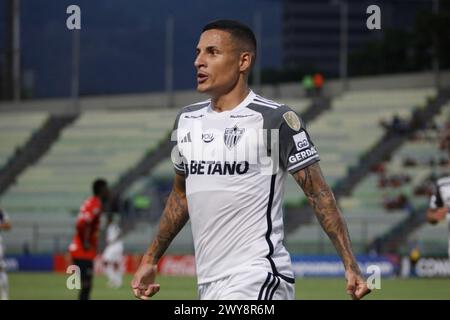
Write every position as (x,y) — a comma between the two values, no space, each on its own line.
(356,286)
(143,283)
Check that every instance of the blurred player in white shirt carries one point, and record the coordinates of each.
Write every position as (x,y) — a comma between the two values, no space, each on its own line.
(113,254)
(5,225)
(440,204)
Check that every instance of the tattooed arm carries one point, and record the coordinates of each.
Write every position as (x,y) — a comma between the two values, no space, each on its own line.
(173,219)
(321,199)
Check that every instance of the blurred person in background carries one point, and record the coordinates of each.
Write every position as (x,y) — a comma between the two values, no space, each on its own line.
(308,84)
(440,203)
(113,254)
(83,248)
(444,137)
(5,225)
(319,81)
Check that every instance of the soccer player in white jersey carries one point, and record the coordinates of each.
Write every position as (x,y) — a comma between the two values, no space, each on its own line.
(440,203)
(5,225)
(113,254)
(231,155)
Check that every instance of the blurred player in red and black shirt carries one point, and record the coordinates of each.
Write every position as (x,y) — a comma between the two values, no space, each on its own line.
(83,247)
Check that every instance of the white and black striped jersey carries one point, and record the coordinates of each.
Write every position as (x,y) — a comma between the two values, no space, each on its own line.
(235,163)
(441,198)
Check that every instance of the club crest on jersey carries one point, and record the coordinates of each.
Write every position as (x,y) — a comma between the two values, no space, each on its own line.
(232,136)
(292,120)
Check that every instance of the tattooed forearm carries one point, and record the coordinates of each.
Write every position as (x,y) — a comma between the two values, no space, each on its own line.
(173,219)
(322,200)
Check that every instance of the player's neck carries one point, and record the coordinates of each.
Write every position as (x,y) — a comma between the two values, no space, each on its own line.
(231,99)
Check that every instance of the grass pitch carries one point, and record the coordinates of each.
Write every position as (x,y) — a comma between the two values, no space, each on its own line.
(52,286)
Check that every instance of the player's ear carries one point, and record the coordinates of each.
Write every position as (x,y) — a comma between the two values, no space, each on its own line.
(246,61)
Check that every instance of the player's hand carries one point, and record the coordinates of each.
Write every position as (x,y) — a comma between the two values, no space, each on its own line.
(356,285)
(441,213)
(143,283)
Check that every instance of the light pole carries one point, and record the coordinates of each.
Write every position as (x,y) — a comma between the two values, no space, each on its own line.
(435,63)
(169,60)
(257,70)
(16,50)
(343,42)
(76,70)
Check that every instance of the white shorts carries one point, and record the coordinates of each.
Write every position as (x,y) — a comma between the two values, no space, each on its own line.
(256,284)
(113,252)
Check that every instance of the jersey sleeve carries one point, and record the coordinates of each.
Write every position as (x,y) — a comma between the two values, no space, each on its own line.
(176,156)
(297,151)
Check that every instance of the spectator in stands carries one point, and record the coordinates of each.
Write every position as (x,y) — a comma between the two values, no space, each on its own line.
(399,125)
(398,202)
(396,125)
(440,203)
(444,161)
(26,249)
(375,247)
(83,248)
(318,81)
(409,162)
(385,124)
(5,225)
(417,119)
(444,137)
(394,181)
(378,168)
(308,84)
(414,255)
(424,189)
(407,204)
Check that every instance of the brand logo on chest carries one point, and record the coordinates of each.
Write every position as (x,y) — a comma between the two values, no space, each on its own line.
(207,137)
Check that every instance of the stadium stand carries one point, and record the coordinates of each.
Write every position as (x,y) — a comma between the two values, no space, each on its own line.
(340,149)
(109,143)
(35,146)
(15,129)
(432,239)
(333,133)
(100,143)
(378,195)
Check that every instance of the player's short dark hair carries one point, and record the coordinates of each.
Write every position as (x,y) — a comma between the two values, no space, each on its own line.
(236,29)
(98,185)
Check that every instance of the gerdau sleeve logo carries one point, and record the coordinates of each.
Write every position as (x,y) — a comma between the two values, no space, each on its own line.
(301,141)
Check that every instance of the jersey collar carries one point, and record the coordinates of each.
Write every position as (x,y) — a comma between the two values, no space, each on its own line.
(251,95)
